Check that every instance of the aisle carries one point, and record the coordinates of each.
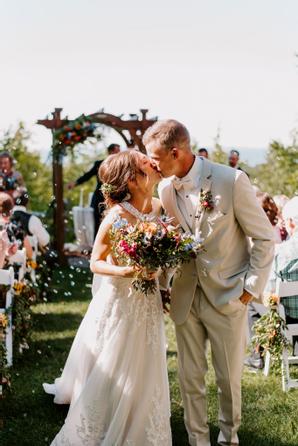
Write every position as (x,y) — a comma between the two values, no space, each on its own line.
(31,419)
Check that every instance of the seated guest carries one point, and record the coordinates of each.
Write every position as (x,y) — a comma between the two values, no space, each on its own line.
(280,201)
(10,179)
(271,210)
(203,152)
(285,265)
(15,233)
(31,224)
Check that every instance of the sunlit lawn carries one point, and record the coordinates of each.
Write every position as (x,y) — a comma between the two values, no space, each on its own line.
(270,417)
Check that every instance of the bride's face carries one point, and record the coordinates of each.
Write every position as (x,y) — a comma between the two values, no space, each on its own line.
(151,175)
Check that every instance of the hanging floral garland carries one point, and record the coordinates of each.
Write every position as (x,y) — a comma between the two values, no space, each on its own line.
(74,132)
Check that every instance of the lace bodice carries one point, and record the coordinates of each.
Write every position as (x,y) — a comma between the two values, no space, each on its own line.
(136,213)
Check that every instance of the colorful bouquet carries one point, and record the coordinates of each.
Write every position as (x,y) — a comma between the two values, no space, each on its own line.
(150,246)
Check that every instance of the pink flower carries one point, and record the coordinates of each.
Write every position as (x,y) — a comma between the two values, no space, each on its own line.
(129,250)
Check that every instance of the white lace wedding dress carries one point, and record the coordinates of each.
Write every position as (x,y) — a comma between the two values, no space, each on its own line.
(116,375)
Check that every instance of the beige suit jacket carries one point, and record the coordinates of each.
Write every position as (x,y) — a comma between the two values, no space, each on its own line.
(229,264)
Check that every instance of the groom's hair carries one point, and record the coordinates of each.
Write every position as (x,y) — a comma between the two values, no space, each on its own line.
(168,134)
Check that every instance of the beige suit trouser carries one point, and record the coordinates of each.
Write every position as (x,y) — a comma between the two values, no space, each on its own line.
(225,327)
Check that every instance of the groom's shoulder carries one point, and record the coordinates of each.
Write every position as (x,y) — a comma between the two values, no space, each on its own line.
(222,172)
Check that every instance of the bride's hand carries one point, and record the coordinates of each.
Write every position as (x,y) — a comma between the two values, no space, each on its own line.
(128,271)
(149,275)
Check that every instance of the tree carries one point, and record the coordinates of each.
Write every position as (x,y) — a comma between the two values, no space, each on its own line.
(218,155)
(279,175)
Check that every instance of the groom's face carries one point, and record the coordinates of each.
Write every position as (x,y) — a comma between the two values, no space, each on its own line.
(164,160)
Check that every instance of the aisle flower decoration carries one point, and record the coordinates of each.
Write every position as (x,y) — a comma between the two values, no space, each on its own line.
(151,246)
(24,297)
(4,370)
(270,332)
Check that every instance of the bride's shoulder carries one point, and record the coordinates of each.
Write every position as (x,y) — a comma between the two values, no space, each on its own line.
(114,213)
(156,205)
(111,216)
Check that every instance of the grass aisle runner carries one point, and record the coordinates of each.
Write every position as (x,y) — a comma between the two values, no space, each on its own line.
(270,417)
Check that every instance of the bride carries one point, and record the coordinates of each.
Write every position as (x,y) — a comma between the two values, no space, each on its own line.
(115,376)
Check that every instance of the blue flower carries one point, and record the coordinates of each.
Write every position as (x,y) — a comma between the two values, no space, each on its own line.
(120,223)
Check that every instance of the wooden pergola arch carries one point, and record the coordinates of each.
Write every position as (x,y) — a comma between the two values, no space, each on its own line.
(131,130)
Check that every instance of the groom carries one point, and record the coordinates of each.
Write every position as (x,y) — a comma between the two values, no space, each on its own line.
(209,295)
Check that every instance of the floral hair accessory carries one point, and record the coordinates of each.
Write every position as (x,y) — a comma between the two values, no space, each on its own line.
(107,188)
(206,200)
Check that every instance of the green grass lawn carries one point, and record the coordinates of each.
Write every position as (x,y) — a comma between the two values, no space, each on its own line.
(270,417)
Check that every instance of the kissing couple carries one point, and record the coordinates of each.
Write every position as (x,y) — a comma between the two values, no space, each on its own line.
(115,378)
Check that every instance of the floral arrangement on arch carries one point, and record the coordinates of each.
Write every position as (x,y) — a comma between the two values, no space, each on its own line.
(75,132)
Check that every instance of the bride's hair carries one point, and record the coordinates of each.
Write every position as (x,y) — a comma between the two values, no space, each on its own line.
(115,172)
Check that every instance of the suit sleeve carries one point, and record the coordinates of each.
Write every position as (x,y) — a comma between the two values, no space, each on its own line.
(255,225)
(91,173)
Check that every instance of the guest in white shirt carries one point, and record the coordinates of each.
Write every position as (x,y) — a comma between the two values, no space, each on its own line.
(31,224)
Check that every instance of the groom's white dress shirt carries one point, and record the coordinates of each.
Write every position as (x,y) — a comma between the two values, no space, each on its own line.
(187,190)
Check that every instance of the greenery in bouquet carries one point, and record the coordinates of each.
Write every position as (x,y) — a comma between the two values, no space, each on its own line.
(269,333)
(150,246)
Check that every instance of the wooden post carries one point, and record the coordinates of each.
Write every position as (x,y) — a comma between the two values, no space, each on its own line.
(59,226)
(57,162)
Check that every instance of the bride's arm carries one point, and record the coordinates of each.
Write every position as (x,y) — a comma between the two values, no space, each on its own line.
(101,250)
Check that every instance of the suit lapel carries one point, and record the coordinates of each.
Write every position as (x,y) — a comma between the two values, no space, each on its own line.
(175,209)
(205,186)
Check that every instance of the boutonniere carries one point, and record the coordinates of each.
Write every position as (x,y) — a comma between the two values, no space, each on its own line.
(206,200)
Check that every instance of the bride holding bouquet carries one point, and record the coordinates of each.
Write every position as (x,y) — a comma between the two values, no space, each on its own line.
(115,376)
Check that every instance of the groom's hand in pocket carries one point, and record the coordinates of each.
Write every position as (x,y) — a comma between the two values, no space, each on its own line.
(166,300)
(246,297)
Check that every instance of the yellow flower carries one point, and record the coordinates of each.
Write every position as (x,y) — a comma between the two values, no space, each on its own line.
(31,264)
(149,227)
(3,320)
(274,299)
(18,287)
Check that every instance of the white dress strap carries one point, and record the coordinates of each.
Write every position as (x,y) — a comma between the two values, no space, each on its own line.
(136,213)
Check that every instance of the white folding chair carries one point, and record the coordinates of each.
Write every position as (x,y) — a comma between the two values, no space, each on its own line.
(19,258)
(285,289)
(7,278)
(34,244)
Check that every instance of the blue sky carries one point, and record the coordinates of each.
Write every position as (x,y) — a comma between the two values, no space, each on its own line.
(218,63)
